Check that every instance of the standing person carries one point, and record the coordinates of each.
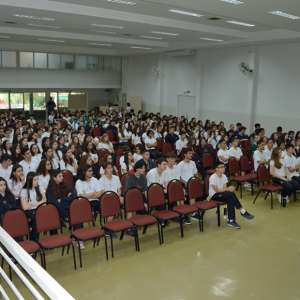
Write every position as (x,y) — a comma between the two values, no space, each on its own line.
(280,176)
(219,191)
(43,171)
(6,167)
(31,196)
(16,182)
(50,105)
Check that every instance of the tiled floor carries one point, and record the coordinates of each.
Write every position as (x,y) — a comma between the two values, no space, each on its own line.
(259,261)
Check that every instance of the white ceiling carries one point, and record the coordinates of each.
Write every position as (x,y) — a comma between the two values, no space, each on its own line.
(75,16)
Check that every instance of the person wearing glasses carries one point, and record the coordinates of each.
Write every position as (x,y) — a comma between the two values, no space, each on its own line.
(219,191)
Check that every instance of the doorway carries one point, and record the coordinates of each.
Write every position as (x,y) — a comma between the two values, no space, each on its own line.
(186,106)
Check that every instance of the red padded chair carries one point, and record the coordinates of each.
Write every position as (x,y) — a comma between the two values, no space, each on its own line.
(110,206)
(166,149)
(245,167)
(122,179)
(118,161)
(133,202)
(120,171)
(119,151)
(233,168)
(263,176)
(212,150)
(15,223)
(96,132)
(156,197)
(64,123)
(195,191)
(175,193)
(160,143)
(68,177)
(100,162)
(46,219)
(111,137)
(247,144)
(175,151)
(244,151)
(80,211)
(208,163)
(242,145)
(102,152)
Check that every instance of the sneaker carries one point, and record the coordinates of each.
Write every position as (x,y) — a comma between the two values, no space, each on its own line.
(176,220)
(81,244)
(107,234)
(155,224)
(233,224)
(130,232)
(165,223)
(247,184)
(247,189)
(279,198)
(186,220)
(63,225)
(195,217)
(287,199)
(247,216)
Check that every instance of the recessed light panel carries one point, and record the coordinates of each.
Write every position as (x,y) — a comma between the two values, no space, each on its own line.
(47,26)
(103,31)
(141,48)
(55,41)
(107,26)
(96,44)
(214,40)
(240,23)
(4,37)
(33,17)
(121,2)
(166,33)
(233,1)
(282,14)
(151,37)
(184,13)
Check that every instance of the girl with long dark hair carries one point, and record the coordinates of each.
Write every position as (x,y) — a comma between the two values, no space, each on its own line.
(36,153)
(69,162)
(48,154)
(7,199)
(16,139)
(89,149)
(57,155)
(43,171)
(16,155)
(108,157)
(87,160)
(16,182)
(128,162)
(6,147)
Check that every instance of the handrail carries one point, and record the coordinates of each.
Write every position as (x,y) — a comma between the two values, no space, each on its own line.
(46,282)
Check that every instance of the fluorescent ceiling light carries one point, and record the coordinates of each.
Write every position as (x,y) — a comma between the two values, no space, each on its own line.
(102,31)
(45,40)
(33,17)
(208,39)
(141,48)
(107,26)
(121,2)
(184,13)
(240,23)
(233,1)
(282,14)
(150,37)
(167,33)
(4,37)
(100,44)
(48,26)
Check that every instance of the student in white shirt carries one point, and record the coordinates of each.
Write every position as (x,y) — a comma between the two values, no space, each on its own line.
(180,143)
(124,136)
(6,167)
(7,147)
(48,130)
(108,157)
(144,135)
(291,163)
(16,182)
(136,136)
(258,156)
(223,154)
(219,191)
(57,155)
(43,171)
(268,151)
(159,133)
(138,153)
(8,136)
(212,140)
(151,144)
(81,134)
(128,108)
(105,143)
(69,162)
(280,176)
(48,154)
(128,162)
(159,175)
(51,117)
(281,145)
(31,196)
(89,149)
(28,164)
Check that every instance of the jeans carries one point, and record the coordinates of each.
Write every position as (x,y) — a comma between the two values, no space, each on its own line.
(155,154)
(232,201)
(125,143)
(289,187)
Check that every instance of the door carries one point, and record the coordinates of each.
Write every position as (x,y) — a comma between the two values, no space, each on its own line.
(186,106)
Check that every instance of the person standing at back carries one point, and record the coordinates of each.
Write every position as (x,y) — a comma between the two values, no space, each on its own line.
(50,105)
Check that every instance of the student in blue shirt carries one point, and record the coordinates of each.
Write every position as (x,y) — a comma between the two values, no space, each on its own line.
(257,126)
(241,135)
(238,126)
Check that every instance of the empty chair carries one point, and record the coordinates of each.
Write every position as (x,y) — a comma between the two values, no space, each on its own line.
(245,167)
(119,151)
(100,162)
(96,132)
(122,179)
(166,149)
(102,152)
(160,143)
(80,211)
(68,177)
(208,163)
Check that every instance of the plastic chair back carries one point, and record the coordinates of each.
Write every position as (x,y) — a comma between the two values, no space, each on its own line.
(68,177)
(244,163)
(233,166)
(206,184)
(160,143)
(102,152)
(166,149)
(207,161)
(122,179)
(262,174)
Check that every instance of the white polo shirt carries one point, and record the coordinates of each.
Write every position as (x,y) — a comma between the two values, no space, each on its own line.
(15,187)
(216,180)
(187,170)
(154,177)
(172,173)
(281,171)
(110,185)
(267,154)
(126,134)
(44,181)
(28,167)
(32,195)
(150,141)
(5,173)
(237,153)
(87,187)
(179,145)
(225,154)
(256,157)
(291,161)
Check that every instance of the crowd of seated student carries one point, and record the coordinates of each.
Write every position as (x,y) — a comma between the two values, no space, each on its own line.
(33,155)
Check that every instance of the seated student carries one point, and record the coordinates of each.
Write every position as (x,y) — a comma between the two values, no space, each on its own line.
(6,167)
(89,149)
(16,182)
(158,175)
(275,139)
(136,136)
(8,136)
(281,176)
(61,195)
(43,171)
(251,137)
(254,146)
(238,126)
(48,154)
(268,151)
(281,146)
(159,133)
(149,164)
(203,148)
(51,117)
(138,152)
(258,156)
(181,143)
(81,134)
(108,157)
(125,149)
(171,138)
(128,162)
(31,196)
(61,143)
(187,169)
(36,153)
(87,159)
(6,146)
(151,144)
(219,191)
(124,137)
(104,143)
(241,135)
(297,148)
(223,154)
(56,155)
(291,163)
(291,135)
(69,162)
(28,164)
(7,199)
(212,139)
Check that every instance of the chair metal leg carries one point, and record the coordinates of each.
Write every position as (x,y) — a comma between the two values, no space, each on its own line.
(181,227)
(219,216)
(105,247)
(158,233)
(162,234)
(94,242)
(137,239)
(201,220)
(10,275)
(44,258)
(112,246)
(63,249)
(2,262)
(122,234)
(256,196)
(271,200)
(267,195)
(41,254)
(74,256)
(252,186)
(68,249)
(79,253)
(145,229)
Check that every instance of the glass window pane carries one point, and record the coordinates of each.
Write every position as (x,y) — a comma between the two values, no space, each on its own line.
(26,59)
(67,61)
(9,59)
(106,63)
(92,63)
(4,101)
(39,101)
(54,97)
(80,62)
(40,60)
(113,64)
(63,99)
(26,101)
(101,63)
(0,59)
(16,101)
(118,64)
(54,61)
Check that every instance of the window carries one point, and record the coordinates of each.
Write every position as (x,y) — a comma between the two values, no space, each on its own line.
(54,61)
(26,59)
(16,100)
(92,63)
(67,61)
(26,102)
(39,101)
(9,59)
(63,99)
(0,59)
(4,101)
(118,64)
(40,60)
(80,62)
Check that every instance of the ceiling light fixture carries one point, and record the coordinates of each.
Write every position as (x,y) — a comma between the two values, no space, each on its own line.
(185,13)
(214,40)
(282,14)
(4,37)
(48,26)
(167,33)
(140,48)
(102,31)
(121,2)
(150,37)
(33,17)
(240,23)
(107,26)
(99,44)
(56,41)
(233,1)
